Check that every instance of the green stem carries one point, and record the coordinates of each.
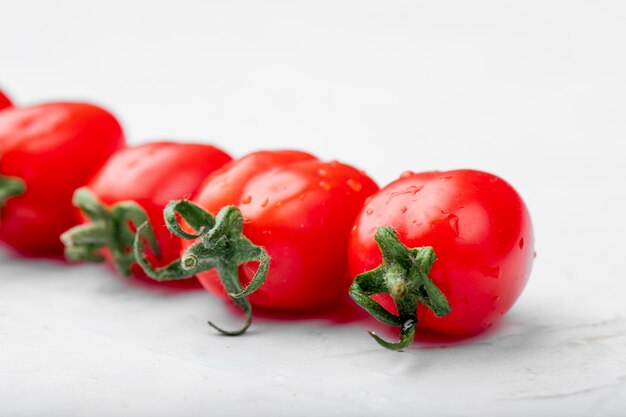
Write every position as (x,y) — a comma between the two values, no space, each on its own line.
(109,228)
(219,244)
(10,187)
(403,274)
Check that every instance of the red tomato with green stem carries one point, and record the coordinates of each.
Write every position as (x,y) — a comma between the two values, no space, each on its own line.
(475,242)
(46,152)
(134,187)
(4,101)
(296,207)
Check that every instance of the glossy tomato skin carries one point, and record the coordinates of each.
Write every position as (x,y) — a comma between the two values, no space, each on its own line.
(301,210)
(4,101)
(54,148)
(480,230)
(152,175)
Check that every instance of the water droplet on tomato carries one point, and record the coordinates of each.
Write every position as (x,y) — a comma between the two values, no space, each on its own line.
(403,209)
(280,204)
(407,174)
(354,184)
(246,200)
(413,189)
(521,243)
(369,211)
(354,228)
(265,202)
(445,178)
(491,271)
(325,185)
(301,197)
(454,223)
(534,254)
(322,172)
(368,199)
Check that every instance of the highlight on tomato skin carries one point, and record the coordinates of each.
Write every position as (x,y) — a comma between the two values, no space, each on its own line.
(47,151)
(480,230)
(137,183)
(300,210)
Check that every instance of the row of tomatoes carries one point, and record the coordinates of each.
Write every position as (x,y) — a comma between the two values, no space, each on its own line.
(280,230)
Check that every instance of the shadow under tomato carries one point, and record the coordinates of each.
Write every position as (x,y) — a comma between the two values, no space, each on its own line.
(139,280)
(430,338)
(346,311)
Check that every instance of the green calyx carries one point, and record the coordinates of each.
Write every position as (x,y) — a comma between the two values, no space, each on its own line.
(403,274)
(219,244)
(10,187)
(110,228)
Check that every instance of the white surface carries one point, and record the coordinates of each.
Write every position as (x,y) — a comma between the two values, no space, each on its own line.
(533,91)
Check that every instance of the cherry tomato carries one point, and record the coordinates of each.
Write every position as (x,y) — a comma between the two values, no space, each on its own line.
(134,186)
(479,229)
(4,101)
(301,211)
(46,152)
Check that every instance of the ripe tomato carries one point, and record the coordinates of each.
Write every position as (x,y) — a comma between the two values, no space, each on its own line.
(134,186)
(4,101)
(47,151)
(479,229)
(299,209)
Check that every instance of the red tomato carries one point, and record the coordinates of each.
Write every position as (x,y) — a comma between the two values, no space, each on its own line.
(300,210)
(148,175)
(4,101)
(50,149)
(479,229)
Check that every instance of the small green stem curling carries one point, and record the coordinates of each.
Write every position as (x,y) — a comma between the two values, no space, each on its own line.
(109,228)
(219,244)
(404,275)
(10,187)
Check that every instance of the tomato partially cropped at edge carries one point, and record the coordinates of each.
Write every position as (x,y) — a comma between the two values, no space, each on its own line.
(53,148)
(4,101)
(301,211)
(480,230)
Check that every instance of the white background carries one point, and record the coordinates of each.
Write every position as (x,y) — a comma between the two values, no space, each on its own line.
(533,91)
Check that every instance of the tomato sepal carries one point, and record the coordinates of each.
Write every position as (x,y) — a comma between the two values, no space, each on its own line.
(10,187)
(220,244)
(403,274)
(109,228)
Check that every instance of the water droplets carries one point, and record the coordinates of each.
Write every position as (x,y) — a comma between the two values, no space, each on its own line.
(403,209)
(407,174)
(453,221)
(247,199)
(265,202)
(491,271)
(354,185)
(280,204)
(521,243)
(324,185)
(369,212)
(322,172)
(413,189)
